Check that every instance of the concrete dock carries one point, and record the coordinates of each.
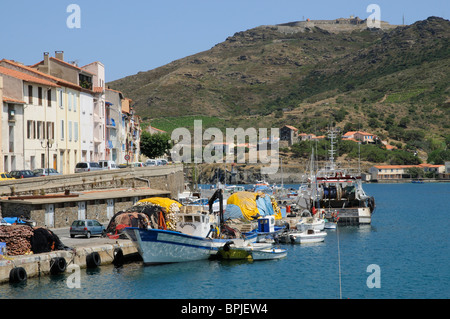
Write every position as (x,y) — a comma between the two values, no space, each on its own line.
(36,265)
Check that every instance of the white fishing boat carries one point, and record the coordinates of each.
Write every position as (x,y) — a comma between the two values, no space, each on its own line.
(269,253)
(192,240)
(315,223)
(331,188)
(302,237)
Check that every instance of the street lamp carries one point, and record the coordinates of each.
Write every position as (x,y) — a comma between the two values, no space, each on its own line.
(48,143)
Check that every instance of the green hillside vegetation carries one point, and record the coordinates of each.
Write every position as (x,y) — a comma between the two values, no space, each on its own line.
(392,82)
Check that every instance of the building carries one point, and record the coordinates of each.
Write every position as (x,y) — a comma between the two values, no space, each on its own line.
(55,114)
(363,137)
(113,123)
(290,134)
(28,117)
(96,134)
(387,172)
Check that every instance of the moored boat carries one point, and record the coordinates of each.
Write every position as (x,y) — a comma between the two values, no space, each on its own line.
(302,237)
(269,253)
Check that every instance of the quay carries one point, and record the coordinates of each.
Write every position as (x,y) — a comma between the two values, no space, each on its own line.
(89,254)
(54,202)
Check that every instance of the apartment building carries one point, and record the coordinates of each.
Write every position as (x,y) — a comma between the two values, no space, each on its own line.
(55,114)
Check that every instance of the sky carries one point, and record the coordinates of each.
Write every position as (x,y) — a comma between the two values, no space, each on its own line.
(133,36)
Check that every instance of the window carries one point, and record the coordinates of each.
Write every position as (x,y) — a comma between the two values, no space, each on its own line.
(49,97)
(40,130)
(74,102)
(60,99)
(31,129)
(39,96)
(62,130)
(50,130)
(30,94)
(75,131)
(70,130)
(70,101)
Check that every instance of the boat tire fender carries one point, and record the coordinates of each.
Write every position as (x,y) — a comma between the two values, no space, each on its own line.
(93,260)
(58,265)
(17,274)
(118,257)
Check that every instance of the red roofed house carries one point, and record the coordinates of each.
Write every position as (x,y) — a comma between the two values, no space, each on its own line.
(360,136)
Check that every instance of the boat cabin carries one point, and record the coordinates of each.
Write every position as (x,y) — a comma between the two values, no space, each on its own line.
(266,224)
(194,224)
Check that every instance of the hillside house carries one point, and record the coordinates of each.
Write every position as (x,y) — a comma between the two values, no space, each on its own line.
(288,134)
(363,137)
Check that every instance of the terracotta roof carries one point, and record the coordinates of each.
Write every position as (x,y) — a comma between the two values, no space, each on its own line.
(430,165)
(291,127)
(26,77)
(98,89)
(10,100)
(37,72)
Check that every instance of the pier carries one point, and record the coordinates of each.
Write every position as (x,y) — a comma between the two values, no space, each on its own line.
(91,253)
(54,202)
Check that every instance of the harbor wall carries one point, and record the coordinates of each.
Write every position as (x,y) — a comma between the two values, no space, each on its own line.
(40,264)
(168,177)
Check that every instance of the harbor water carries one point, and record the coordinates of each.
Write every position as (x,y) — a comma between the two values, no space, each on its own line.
(403,254)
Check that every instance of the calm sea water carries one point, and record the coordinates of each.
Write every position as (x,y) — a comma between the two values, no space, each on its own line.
(408,240)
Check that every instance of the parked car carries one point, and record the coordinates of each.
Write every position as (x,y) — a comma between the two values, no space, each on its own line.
(87,167)
(46,172)
(151,162)
(138,164)
(104,164)
(87,227)
(5,177)
(26,173)
(161,162)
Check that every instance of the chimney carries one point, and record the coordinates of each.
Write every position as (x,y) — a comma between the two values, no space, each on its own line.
(59,55)
(45,66)
(46,56)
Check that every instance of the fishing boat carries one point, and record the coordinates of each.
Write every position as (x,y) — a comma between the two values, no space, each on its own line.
(192,241)
(240,249)
(233,250)
(315,223)
(302,237)
(266,230)
(331,188)
(195,236)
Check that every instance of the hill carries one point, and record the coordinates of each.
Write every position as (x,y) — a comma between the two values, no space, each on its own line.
(390,81)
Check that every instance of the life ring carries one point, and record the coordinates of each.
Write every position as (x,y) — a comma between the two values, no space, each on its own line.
(17,274)
(93,260)
(58,265)
(118,257)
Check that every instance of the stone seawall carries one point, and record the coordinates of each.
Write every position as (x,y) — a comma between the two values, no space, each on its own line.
(169,177)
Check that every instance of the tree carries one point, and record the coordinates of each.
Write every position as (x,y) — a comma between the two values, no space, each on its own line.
(155,145)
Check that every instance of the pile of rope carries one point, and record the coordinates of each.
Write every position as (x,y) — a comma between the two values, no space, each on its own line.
(17,239)
(23,240)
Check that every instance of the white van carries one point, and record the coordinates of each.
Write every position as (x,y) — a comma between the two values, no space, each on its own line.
(104,164)
(150,162)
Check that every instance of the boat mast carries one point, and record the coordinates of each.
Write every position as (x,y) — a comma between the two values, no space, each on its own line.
(332,136)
